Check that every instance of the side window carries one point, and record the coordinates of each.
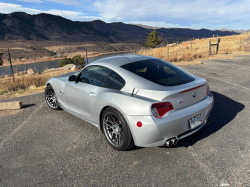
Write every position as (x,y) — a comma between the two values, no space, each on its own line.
(114,81)
(94,75)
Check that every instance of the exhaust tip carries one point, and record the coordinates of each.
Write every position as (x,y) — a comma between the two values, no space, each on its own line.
(208,120)
(168,143)
(171,142)
(175,141)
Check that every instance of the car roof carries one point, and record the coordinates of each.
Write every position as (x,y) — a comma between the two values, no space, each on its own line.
(121,60)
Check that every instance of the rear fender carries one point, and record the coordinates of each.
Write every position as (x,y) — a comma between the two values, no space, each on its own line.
(125,103)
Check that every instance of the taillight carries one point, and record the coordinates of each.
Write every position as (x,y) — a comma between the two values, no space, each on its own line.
(160,109)
(209,92)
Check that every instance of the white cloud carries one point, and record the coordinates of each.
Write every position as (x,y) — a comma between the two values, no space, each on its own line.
(32,1)
(73,15)
(193,13)
(212,14)
(66,2)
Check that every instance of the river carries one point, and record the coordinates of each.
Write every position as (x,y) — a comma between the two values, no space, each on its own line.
(40,66)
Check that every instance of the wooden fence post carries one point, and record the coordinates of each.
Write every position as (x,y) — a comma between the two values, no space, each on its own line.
(167,50)
(11,65)
(191,48)
(217,49)
(209,53)
(240,45)
(86,55)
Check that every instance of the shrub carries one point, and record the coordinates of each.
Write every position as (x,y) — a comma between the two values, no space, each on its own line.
(153,39)
(77,60)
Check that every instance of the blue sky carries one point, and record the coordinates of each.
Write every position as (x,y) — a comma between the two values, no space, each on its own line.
(196,14)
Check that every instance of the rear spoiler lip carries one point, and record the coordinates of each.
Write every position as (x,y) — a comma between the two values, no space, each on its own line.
(192,88)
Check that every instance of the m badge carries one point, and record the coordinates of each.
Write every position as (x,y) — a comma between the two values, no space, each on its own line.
(181,101)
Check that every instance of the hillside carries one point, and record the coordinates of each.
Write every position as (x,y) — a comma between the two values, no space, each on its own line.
(198,49)
(23,26)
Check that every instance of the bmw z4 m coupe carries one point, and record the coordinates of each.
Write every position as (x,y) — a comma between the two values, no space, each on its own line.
(134,100)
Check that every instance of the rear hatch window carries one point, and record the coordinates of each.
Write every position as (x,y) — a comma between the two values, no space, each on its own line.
(159,72)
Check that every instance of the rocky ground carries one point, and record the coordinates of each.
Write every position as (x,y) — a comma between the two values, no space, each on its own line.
(44,147)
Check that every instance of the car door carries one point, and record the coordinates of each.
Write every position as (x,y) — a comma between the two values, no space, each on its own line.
(80,95)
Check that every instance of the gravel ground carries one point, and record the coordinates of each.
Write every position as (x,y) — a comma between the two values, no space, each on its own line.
(43,147)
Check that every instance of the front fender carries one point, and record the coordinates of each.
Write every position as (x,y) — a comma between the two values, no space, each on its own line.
(58,86)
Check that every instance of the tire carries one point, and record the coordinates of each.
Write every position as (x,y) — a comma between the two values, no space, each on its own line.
(116,130)
(51,99)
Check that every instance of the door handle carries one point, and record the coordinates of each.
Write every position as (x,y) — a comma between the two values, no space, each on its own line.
(91,94)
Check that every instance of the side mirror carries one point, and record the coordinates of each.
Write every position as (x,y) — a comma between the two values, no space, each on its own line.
(72,78)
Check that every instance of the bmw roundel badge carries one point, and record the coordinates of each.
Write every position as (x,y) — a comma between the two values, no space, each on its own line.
(194,94)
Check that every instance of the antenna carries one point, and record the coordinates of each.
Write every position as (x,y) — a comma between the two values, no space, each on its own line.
(133,92)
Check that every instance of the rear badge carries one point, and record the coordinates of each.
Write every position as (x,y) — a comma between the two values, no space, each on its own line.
(181,101)
(194,94)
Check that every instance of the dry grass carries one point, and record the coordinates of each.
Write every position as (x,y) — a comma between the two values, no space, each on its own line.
(198,48)
(26,83)
(181,54)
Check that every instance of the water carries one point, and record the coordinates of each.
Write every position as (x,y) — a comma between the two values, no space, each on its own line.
(40,66)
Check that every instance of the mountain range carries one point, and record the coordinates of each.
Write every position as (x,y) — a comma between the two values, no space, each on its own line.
(23,26)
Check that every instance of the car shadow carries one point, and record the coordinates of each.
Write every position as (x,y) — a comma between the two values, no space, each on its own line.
(225,110)
(28,105)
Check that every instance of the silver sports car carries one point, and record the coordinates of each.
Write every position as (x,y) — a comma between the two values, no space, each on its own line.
(134,100)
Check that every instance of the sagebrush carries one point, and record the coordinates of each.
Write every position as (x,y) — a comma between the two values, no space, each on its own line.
(77,60)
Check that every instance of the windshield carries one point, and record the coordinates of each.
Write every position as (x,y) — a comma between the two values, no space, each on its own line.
(159,72)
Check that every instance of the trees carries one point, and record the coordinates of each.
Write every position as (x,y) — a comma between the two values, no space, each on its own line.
(153,39)
(77,60)
(1,61)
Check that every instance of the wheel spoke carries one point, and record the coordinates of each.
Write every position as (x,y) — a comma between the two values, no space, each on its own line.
(49,92)
(107,125)
(107,121)
(112,118)
(112,136)
(118,137)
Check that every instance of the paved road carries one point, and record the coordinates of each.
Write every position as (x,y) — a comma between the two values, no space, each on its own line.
(40,146)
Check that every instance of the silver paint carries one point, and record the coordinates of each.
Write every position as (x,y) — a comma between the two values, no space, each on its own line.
(88,101)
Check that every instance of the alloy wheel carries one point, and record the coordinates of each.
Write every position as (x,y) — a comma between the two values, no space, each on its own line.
(51,98)
(113,129)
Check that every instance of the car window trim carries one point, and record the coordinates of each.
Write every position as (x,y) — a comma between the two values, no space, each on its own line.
(105,77)
(117,74)
(78,75)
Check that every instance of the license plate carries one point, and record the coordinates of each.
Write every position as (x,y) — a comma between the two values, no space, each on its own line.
(195,121)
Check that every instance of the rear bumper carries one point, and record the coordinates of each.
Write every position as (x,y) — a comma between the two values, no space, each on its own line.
(154,131)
